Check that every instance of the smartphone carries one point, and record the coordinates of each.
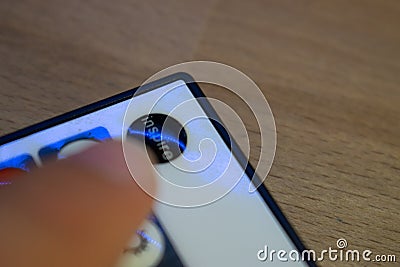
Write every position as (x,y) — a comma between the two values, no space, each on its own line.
(239,229)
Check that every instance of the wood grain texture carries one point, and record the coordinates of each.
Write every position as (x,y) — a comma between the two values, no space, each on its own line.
(329,69)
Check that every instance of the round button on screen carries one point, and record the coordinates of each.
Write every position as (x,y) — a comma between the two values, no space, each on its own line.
(163,134)
(145,249)
(75,147)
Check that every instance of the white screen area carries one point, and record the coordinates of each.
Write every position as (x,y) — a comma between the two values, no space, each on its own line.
(227,232)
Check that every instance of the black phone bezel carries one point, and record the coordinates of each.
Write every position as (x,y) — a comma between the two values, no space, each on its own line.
(208,109)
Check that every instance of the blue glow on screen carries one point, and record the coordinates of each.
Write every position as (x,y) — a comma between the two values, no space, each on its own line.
(97,134)
(150,135)
(24,162)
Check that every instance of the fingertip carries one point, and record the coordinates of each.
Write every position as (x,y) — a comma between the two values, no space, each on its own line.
(87,202)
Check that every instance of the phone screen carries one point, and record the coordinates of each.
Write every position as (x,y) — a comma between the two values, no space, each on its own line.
(230,231)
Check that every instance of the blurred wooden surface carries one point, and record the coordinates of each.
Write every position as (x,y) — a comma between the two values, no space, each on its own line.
(329,69)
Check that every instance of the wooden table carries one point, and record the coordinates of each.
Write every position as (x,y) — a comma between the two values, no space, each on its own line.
(329,69)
